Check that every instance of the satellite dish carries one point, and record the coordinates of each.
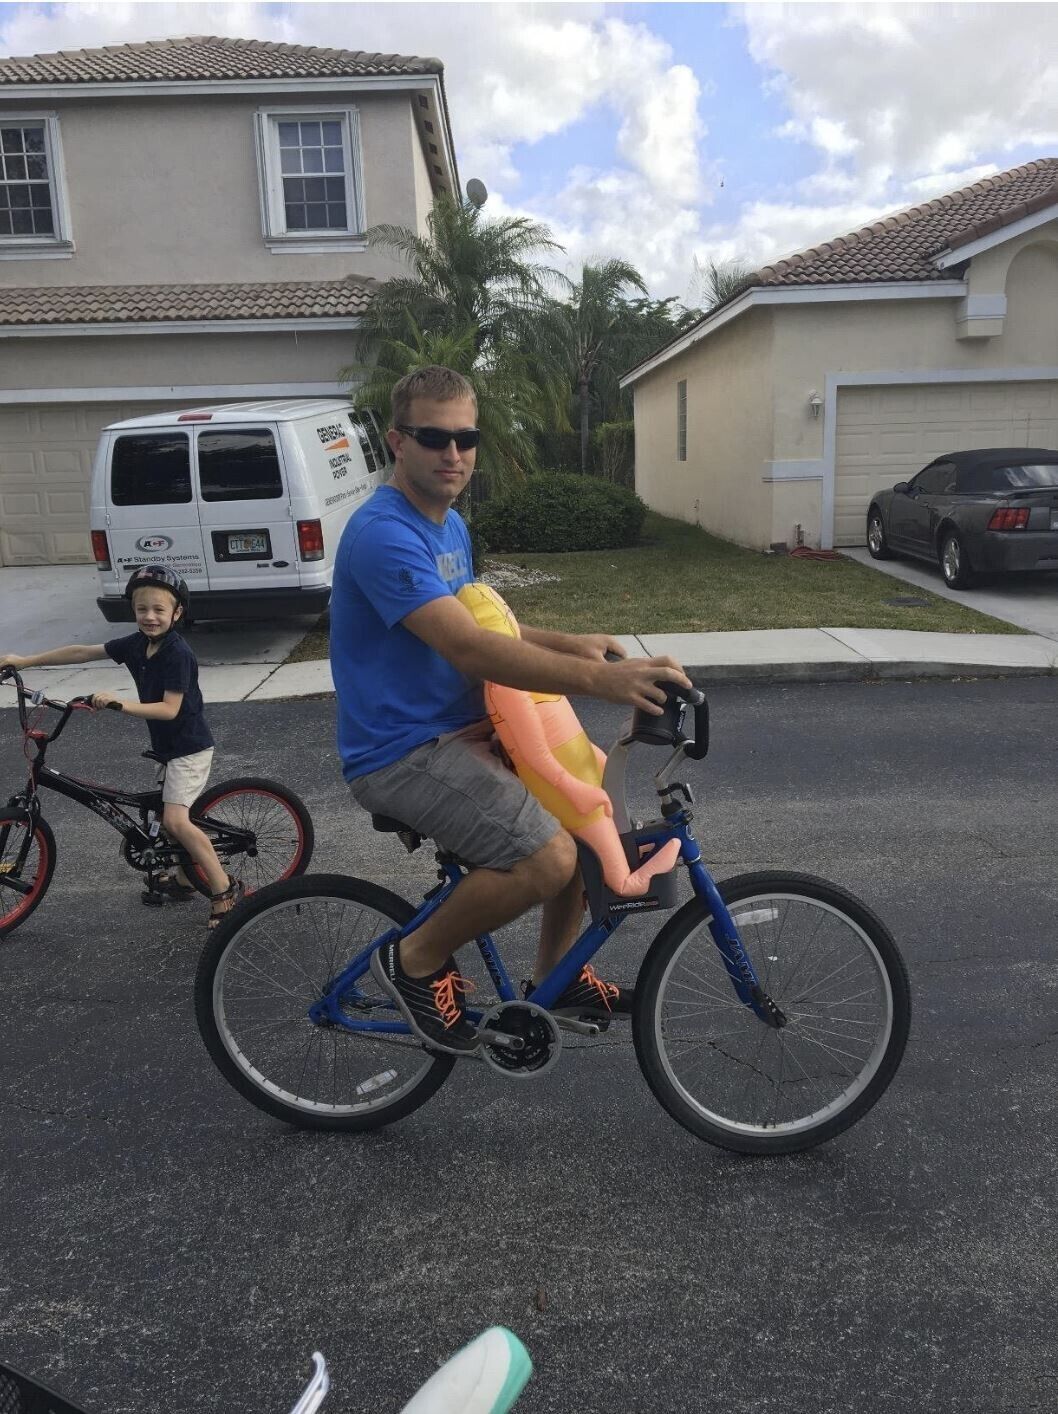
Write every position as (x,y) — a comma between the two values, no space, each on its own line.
(477,192)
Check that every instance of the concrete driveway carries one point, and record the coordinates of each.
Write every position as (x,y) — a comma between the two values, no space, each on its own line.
(47,606)
(1031,602)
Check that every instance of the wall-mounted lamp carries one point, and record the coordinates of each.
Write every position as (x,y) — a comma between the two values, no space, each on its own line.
(815,402)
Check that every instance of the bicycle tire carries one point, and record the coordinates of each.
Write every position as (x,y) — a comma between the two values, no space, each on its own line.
(13,825)
(251,802)
(318,930)
(841,1061)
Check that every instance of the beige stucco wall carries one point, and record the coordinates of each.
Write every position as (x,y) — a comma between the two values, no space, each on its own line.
(165,360)
(729,433)
(421,177)
(166,190)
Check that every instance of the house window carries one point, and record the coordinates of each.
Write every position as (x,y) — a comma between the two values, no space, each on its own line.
(310,168)
(681,420)
(31,197)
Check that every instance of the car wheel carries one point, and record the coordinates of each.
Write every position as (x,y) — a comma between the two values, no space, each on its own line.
(954,562)
(876,541)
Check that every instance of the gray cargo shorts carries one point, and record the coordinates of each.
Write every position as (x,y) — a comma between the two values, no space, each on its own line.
(456,790)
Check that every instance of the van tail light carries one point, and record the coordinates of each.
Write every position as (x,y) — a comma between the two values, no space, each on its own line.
(100,549)
(1009,518)
(310,539)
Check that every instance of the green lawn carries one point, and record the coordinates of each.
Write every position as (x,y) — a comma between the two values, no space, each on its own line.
(682,580)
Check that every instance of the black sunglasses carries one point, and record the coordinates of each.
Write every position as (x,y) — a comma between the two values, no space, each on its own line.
(436,439)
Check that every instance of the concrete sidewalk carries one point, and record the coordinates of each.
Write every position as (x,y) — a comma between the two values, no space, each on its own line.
(784,655)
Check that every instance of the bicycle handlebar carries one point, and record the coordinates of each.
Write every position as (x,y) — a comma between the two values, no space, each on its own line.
(664,730)
(38,699)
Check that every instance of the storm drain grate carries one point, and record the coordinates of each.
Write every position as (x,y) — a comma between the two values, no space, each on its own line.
(908,601)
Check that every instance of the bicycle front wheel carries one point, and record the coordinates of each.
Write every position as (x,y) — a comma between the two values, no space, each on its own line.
(831,967)
(263,968)
(261,832)
(27,862)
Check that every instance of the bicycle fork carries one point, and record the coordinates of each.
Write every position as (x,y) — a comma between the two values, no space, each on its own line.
(724,932)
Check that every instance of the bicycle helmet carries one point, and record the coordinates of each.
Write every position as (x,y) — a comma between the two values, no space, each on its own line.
(164,578)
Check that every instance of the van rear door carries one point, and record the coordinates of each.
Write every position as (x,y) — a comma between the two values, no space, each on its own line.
(244,507)
(152,516)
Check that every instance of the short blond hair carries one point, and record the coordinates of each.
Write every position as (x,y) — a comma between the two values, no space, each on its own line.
(443,385)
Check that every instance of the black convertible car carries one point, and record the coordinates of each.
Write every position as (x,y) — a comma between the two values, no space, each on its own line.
(984,512)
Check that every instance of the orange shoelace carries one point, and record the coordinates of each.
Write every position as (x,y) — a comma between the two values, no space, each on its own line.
(445,999)
(606,990)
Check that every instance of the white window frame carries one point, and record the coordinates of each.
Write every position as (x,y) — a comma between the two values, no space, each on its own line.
(273,208)
(59,245)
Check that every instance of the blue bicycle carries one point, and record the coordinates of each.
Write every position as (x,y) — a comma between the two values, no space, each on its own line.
(770,1013)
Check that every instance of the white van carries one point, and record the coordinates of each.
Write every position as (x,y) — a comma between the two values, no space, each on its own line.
(246,502)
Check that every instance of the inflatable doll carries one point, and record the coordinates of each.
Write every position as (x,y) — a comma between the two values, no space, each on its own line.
(556,762)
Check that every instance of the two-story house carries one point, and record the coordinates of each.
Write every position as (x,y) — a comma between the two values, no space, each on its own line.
(181,222)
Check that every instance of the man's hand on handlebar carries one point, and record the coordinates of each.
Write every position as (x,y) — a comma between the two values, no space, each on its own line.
(12,660)
(640,682)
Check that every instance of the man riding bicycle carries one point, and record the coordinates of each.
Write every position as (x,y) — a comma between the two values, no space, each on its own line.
(408,661)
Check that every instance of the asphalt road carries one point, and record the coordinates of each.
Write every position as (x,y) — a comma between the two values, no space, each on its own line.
(166,1247)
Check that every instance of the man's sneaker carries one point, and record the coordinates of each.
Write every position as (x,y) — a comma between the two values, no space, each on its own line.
(589,996)
(433,1006)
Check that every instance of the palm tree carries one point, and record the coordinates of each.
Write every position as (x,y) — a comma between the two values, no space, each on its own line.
(713,284)
(478,280)
(467,270)
(587,333)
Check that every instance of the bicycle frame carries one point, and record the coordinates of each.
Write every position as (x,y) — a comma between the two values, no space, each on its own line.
(142,835)
(343,989)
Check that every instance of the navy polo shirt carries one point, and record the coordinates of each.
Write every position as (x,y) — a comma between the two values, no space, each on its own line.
(173,668)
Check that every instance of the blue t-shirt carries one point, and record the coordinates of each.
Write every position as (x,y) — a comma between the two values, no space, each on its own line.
(173,668)
(394,692)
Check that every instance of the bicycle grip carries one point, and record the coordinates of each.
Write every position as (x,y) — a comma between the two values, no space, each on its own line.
(700,746)
(114,707)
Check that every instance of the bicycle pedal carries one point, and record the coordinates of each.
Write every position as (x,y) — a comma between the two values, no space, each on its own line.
(581,1028)
(152,899)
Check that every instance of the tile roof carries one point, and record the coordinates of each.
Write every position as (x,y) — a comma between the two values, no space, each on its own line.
(901,246)
(148,304)
(205,57)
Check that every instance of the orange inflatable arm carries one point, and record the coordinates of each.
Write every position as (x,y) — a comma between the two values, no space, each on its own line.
(520,714)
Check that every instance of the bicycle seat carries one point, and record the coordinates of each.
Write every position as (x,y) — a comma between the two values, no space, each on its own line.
(152,756)
(387,824)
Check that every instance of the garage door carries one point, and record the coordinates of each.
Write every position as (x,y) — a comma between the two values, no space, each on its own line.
(46,452)
(885,435)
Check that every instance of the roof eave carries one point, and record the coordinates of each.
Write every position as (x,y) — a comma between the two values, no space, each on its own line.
(761,295)
(965,246)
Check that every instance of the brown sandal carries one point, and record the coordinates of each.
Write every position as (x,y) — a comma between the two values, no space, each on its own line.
(230,896)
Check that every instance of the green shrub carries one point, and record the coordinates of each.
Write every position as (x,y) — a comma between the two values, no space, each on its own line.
(555,512)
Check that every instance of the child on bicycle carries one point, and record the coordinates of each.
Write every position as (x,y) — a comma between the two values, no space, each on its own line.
(166,675)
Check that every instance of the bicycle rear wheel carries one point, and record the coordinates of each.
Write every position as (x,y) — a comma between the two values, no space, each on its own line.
(833,969)
(27,862)
(261,832)
(260,972)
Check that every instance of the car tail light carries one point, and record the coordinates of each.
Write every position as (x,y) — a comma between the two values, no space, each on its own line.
(100,549)
(310,539)
(195,417)
(1009,518)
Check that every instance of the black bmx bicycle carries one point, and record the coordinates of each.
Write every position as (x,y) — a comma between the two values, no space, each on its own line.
(260,830)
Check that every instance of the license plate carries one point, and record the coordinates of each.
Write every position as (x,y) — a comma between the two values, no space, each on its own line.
(247,545)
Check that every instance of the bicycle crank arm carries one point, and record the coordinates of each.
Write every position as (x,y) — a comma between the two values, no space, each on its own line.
(582,1028)
(501,1038)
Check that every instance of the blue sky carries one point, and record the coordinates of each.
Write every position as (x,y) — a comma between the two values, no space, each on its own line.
(673,133)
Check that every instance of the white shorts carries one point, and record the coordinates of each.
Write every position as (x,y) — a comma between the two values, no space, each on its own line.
(184,778)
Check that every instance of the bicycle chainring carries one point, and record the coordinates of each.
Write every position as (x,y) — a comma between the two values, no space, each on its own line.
(532,1025)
